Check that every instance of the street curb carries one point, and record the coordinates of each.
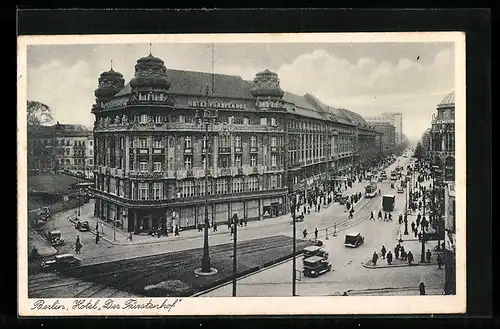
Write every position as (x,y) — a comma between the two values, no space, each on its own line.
(50,247)
(371,267)
(253,271)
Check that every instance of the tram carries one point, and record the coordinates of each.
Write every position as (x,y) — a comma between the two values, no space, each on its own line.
(370,190)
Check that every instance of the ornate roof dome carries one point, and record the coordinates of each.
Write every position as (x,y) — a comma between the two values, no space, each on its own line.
(110,83)
(449,100)
(150,72)
(267,83)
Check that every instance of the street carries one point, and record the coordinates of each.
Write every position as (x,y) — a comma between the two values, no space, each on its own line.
(348,272)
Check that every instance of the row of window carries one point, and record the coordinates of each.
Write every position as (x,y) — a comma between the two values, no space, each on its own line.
(76,161)
(64,142)
(190,188)
(158,118)
(224,141)
(224,161)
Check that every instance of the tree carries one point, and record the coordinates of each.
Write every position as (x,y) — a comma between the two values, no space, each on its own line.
(419,151)
(38,114)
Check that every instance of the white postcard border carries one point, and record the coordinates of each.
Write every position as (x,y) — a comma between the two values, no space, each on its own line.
(254,305)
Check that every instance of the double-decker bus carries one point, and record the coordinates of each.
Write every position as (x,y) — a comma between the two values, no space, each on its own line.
(370,190)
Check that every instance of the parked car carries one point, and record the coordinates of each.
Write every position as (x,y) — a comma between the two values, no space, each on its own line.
(315,251)
(315,266)
(60,262)
(400,189)
(353,239)
(82,226)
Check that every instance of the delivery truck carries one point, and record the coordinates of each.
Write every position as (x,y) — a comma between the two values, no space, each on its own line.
(388,202)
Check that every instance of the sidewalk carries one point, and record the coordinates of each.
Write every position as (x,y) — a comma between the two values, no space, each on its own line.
(412,245)
(35,240)
(403,291)
(119,237)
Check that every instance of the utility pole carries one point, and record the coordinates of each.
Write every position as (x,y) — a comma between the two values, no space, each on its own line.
(235,240)
(294,260)
(423,224)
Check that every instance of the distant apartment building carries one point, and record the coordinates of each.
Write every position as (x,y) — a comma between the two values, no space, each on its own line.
(395,119)
(388,135)
(61,146)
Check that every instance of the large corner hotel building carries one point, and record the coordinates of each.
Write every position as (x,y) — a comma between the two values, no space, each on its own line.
(150,151)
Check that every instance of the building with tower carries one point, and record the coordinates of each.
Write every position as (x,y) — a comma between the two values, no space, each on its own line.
(264,143)
(442,137)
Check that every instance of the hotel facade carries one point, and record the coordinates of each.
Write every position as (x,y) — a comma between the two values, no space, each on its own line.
(263,144)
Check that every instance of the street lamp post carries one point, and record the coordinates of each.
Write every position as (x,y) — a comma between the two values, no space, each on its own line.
(235,241)
(207,117)
(424,222)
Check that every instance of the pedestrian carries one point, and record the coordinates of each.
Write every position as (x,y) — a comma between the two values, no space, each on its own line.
(421,288)
(130,237)
(344,293)
(379,215)
(97,227)
(418,221)
(389,257)
(420,236)
(350,213)
(215,227)
(413,226)
(439,261)
(78,245)
(400,219)
(199,227)
(176,232)
(410,258)
(385,216)
(396,251)
(428,255)
(97,237)
(316,234)
(374,258)
(390,217)
(371,215)
(304,233)
(232,229)
(382,252)
(402,252)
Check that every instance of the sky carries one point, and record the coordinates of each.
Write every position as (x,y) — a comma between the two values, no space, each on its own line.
(368,78)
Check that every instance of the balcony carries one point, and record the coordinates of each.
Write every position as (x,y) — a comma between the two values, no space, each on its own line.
(146,175)
(171,174)
(253,128)
(222,172)
(188,150)
(238,149)
(273,169)
(142,150)
(254,149)
(275,149)
(204,151)
(224,150)
(159,151)
(189,173)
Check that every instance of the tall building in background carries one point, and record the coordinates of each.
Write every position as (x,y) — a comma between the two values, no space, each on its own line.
(388,132)
(395,119)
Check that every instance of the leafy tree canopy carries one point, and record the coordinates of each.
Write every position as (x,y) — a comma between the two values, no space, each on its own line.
(38,114)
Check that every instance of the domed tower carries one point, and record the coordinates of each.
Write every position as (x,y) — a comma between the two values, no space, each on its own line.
(150,81)
(267,90)
(110,83)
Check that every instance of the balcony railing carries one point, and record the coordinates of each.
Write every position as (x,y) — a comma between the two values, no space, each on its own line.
(188,150)
(146,175)
(190,200)
(238,149)
(159,151)
(224,150)
(254,149)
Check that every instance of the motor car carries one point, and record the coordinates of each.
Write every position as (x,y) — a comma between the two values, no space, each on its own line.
(315,266)
(315,251)
(400,189)
(60,262)
(82,226)
(353,240)
(54,238)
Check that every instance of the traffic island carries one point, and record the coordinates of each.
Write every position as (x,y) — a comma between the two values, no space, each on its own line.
(173,274)
(382,263)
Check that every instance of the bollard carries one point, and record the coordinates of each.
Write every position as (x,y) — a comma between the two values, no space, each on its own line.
(326,234)
(335,230)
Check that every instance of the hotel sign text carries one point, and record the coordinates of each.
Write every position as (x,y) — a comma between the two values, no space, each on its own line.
(217,105)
